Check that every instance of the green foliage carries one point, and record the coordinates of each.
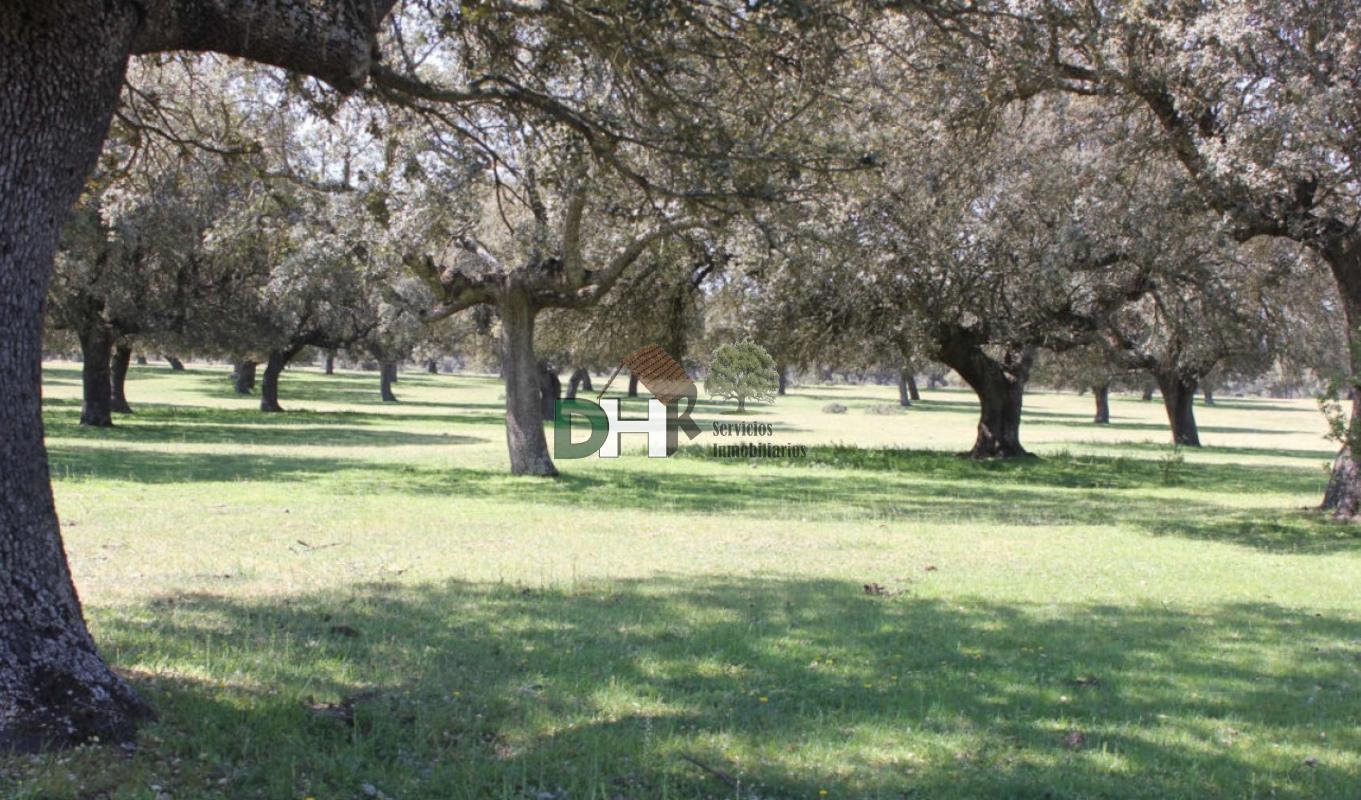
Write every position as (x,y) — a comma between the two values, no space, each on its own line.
(742,372)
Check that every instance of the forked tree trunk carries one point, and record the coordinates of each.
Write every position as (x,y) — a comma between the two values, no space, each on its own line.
(1178,392)
(387,371)
(1000,387)
(581,379)
(175,364)
(912,393)
(244,382)
(96,351)
(550,391)
(118,374)
(784,380)
(524,418)
(633,385)
(61,69)
(1102,393)
(904,397)
(269,387)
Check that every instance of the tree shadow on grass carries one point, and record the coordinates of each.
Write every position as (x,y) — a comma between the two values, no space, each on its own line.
(792,686)
(883,486)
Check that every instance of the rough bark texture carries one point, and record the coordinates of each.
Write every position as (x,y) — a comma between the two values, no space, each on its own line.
(269,387)
(1000,386)
(1178,392)
(524,418)
(387,371)
(96,351)
(1343,255)
(61,68)
(550,391)
(1102,394)
(904,397)
(118,376)
(175,364)
(243,381)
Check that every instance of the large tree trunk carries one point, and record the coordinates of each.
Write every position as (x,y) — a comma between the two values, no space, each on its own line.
(96,352)
(118,375)
(1102,393)
(269,387)
(1178,392)
(175,364)
(1342,253)
(904,398)
(61,68)
(550,391)
(1000,387)
(387,371)
(524,418)
(244,377)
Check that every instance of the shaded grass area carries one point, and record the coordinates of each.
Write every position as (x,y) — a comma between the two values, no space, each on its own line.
(792,687)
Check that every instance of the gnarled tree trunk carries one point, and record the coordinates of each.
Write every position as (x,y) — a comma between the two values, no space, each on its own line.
(1178,392)
(118,375)
(96,352)
(1102,393)
(387,371)
(1000,387)
(524,414)
(61,68)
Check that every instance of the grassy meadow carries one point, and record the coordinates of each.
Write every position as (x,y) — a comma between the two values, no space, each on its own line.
(353,599)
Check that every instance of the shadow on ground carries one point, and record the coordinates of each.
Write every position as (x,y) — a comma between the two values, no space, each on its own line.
(793,687)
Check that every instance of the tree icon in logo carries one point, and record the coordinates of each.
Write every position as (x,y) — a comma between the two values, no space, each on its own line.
(741,372)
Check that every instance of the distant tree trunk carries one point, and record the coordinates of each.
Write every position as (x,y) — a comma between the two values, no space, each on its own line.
(141,361)
(904,397)
(784,380)
(1209,396)
(581,379)
(387,371)
(524,413)
(912,393)
(1102,393)
(550,391)
(633,385)
(63,68)
(1000,387)
(118,375)
(1148,394)
(432,366)
(741,404)
(96,351)
(269,387)
(330,362)
(1178,392)
(245,377)
(175,364)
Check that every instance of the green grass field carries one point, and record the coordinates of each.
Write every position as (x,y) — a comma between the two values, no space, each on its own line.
(355,600)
